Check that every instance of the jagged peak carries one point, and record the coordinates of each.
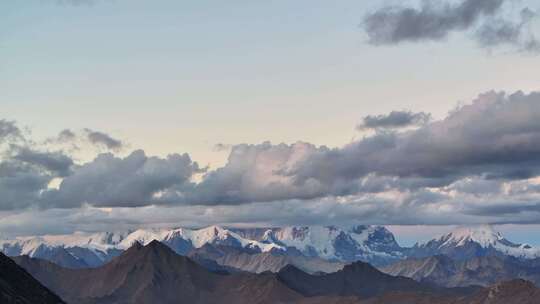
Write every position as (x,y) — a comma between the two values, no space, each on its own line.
(214,230)
(136,245)
(138,249)
(289,268)
(155,243)
(359,266)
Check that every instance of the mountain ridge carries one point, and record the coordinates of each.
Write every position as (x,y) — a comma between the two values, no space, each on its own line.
(373,244)
(472,241)
(17,286)
(155,274)
(369,243)
(485,270)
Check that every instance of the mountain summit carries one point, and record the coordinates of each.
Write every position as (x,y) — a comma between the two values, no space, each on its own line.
(473,241)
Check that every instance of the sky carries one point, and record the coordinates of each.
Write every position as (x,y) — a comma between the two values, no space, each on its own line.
(117,114)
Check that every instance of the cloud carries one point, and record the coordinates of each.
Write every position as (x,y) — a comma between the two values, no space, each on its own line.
(24,170)
(497,136)
(432,21)
(103,139)
(86,138)
(21,184)
(66,135)
(255,173)
(397,208)
(110,181)
(394,120)
(498,32)
(56,162)
(9,131)
(481,163)
(436,20)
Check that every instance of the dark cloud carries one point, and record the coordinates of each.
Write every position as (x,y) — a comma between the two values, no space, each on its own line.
(509,208)
(57,163)
(103,139)
(432,21)
(24,170)
(66,135)
(110,181)
(9,131)
(394,120)
(21,184)
(498,32)
(435,20)
(498,136)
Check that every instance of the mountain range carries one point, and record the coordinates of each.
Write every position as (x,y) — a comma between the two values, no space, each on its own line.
(232,259)
(468,242)
(373,244)
(312,249)
(156,274)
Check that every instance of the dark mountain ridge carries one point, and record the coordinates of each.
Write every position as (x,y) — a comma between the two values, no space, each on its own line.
(485,270)
(17,286)
(155,274)
(236,259)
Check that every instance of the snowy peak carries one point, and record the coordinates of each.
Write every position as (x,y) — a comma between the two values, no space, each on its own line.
(483,235)
(374,244)
(182,240)
(470,241)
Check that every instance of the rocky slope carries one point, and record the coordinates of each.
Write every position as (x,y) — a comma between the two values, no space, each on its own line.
(17,286)
(515,291)
(231,259)
(484,271)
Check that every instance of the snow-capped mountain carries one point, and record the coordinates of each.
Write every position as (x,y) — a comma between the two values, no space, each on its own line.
(76,250)
(374,244)
(367,243)
(474,241)
(182,240)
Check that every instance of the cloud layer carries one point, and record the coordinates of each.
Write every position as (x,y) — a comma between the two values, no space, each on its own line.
(481,163)
(109,181)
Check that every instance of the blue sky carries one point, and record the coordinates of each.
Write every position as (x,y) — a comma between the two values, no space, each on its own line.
(182,76)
